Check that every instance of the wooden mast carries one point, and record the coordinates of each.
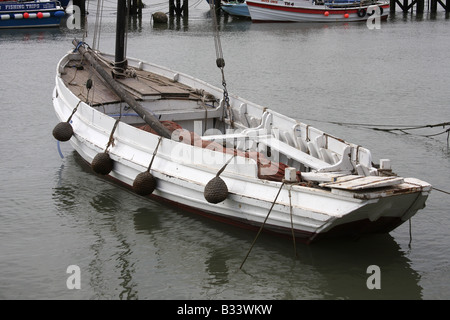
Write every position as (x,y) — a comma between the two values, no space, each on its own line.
(151,120)
(120,64)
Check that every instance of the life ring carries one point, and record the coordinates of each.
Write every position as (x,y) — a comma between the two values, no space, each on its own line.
(361,13)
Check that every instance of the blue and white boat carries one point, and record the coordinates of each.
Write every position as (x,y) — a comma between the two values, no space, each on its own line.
(236,8)
(30,14)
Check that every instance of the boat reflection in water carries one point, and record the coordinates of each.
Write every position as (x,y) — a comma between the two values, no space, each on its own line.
(151,251)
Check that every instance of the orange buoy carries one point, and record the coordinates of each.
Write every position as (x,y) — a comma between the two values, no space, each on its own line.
(326,13)
(346,15)
(26,15)
(40,15)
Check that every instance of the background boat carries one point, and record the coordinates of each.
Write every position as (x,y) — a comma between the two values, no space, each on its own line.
(30,14)
(235,8)
(307,11)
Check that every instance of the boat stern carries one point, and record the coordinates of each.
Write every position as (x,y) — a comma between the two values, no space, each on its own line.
(385,210)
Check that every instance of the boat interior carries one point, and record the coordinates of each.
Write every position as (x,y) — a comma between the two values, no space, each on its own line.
(177,106)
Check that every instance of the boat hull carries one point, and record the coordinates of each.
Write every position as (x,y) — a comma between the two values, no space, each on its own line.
(182,171)
(236,9)
(278,11)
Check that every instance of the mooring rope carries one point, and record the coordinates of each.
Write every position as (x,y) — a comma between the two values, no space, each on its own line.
(292,221)
(262,226)
(410,234)
(391,128)
(440,190)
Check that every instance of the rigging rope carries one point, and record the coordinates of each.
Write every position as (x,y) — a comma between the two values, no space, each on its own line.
(220,61)
(98,23)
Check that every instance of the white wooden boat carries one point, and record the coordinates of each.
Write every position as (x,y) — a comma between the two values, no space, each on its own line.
(316,10)
(222,156)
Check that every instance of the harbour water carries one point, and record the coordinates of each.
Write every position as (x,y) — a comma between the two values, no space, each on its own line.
(342,78)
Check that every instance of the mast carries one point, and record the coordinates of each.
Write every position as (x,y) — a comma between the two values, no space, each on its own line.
(120,58)
(120,65)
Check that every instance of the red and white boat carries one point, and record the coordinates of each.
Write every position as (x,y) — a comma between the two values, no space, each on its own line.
(317,10)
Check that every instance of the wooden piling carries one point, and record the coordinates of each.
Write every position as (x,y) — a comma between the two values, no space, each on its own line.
(82,5)
(420,6)
(175,8)
(186,8)
(135,7)
(171,8)
(392,6)
(433,7)
(405,6)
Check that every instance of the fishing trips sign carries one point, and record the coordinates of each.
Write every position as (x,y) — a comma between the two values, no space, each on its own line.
(11,7)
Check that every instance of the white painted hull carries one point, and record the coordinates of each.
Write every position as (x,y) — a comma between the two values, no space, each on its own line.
(182,171)
(305,11)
